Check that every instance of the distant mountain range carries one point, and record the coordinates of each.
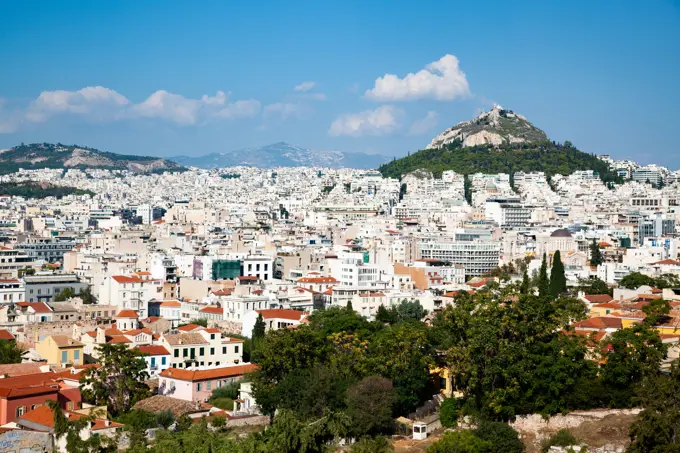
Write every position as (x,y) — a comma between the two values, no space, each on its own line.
(283,154)
(36,156)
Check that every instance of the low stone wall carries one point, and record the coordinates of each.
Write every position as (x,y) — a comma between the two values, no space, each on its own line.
(34,331)
(534,424)
(255,420)
(227,327)
(25,442)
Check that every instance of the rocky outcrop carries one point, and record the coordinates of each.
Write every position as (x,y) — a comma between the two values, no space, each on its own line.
(495,127)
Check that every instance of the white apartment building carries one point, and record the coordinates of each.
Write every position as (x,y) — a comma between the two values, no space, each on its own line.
(477,257)
(236,308)
(130,292)
(11,291)
(205,348)
(260,266)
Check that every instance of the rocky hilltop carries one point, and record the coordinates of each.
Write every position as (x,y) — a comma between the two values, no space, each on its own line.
(283,154)
(496,127)
(48,155)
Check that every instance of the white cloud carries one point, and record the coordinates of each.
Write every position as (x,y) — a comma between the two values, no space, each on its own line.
(284,110)
(305,86)
(425,124)
(103,104)
(97,102)
(441,80)
(380,121)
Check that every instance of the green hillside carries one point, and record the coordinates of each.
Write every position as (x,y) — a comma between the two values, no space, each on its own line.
(35,190)
(549,157)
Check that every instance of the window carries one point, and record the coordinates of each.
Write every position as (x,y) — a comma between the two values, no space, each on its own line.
(212,336)
(153,361)
(21,410)
(176,352)
(185,352)
(201,351)
(236,349)
(198,387)
(163,360)
(64,356)
(212,351)
(224,350)
(208,386)
(76,355)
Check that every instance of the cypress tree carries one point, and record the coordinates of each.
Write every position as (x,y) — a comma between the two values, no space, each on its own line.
(259,328)
(595,254)
(558,282)
(543,281)
(526,285)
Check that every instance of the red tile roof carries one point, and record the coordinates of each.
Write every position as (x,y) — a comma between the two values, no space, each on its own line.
(171,303)
(44,416)
(600,322)
(280,313)
(127,314)
(30,384)
(38,307)
(6,335)
(667,262)
(203,375)
(127,279)
(598,298)
(190,327)
(317,280)
(152,350)
(212,309)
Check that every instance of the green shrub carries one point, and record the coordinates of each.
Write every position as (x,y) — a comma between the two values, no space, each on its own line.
(448,412)
(226,404)
(502,437)
(562,438)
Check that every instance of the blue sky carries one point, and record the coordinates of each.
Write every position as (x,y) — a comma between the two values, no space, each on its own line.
(174,77)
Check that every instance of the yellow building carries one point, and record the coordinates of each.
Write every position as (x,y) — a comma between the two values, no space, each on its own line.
(60,350)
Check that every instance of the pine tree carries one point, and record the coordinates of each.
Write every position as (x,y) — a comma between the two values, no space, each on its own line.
(259,328)
(349,306)
(526,285)
(543,281)
(558,282)
(383,315)
(595,254)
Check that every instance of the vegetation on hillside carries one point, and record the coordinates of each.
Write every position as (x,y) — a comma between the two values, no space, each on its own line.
(35,190)
(37,156)
(549,157)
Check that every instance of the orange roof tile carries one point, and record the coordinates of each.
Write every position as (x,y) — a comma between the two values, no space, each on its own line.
(152,350)
(598,298)
(280,313)
(203,375)
(127,314)
(212,309)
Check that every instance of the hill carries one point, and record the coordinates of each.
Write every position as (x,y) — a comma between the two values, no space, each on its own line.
(47,155)
(36,190)
(498,141)
(498,126)
(282,154)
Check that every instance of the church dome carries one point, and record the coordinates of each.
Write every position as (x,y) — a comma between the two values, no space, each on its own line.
(561,233)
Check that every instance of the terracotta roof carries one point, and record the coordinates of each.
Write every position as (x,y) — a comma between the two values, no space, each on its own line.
(20,369)
(44,416)
(607,305)
(127,314)
(38,307)
(135,332)
(598,298)
(152,350)
(6,335)
(214,373)
(190,327)
(171,303)
(317,280)
(280,313)
(118,339)
(667,262)
(159,403)
(223,292)
(126,279)
(212,309)
(247,277)
(185,339)
(600,322)
(64,341)
(29,384)
(213,330)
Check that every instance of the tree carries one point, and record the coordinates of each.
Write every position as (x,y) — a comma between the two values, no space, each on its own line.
(384,315)
(657,429)
(65,294)
(369,405)
(501,436)
(87,296)
(593,286)
(165,419)
(70,430)
(448,412)
(526,283)
(118,382)
(634,353)
(558,282)
(635,280)
(543,280)
(596,257)
(9,352)
(410,310)
(459,442)
(259,328)
(372,445)
(562,438)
